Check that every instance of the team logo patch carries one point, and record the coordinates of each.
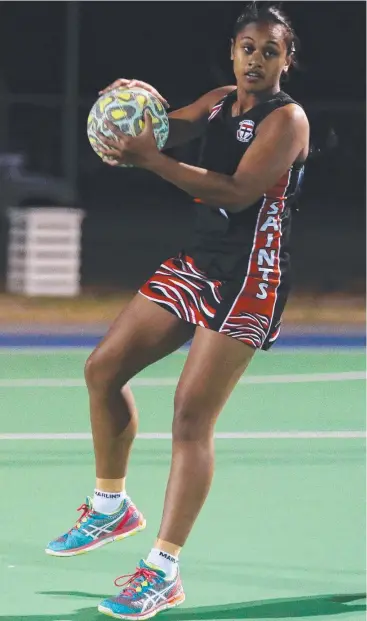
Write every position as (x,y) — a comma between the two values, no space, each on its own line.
(245,131)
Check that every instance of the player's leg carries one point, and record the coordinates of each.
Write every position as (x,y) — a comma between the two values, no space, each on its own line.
(214,365)
(141,335)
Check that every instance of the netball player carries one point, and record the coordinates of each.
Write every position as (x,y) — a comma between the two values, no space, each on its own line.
(226,290)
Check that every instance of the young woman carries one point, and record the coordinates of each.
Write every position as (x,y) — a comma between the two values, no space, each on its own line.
(226,291)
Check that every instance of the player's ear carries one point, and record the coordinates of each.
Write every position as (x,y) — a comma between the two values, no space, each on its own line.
(232,48)
(287,64)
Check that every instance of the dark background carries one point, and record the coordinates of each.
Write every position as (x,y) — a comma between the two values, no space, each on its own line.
(134,219)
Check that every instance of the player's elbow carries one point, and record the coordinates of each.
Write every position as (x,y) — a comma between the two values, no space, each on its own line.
(241,197)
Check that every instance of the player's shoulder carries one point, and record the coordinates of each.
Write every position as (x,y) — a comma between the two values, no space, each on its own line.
(222,91)
(287,122)
(290,115)
(293,111)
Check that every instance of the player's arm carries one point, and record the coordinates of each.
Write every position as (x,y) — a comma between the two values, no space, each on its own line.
(279,141)
(189,122)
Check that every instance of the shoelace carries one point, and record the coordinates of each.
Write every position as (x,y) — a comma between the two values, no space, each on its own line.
(83,517)
(134,579)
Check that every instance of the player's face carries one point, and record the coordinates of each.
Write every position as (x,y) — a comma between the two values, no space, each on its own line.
(259,55)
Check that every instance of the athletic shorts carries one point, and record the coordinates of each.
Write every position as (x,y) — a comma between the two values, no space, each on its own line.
(248,310)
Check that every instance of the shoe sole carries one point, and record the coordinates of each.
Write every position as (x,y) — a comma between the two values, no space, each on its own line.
(97,544)
(175,602)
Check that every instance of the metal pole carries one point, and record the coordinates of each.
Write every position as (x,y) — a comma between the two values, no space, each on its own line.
(70,108)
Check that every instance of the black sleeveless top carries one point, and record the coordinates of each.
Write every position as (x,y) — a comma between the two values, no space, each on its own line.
(223,241)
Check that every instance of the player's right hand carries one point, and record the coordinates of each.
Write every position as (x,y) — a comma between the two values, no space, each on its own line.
(125,83)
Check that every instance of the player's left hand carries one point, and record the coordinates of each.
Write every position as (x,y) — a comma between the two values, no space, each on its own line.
(130,150)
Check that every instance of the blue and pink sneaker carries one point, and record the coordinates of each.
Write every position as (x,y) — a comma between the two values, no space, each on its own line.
(94,530)
(145,593)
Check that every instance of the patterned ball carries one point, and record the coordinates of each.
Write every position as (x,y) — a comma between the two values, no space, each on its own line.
(125,108)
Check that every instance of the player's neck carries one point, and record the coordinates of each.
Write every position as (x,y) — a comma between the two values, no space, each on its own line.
(247,100)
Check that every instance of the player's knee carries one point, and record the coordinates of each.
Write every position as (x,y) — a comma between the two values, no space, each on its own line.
(190,422)
(92,369)
(98,371)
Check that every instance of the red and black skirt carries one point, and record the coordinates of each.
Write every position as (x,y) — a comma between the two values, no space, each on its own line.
(248,309)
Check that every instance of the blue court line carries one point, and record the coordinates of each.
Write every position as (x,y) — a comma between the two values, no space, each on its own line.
(91,340)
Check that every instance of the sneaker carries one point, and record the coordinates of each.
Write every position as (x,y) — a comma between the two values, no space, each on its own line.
(94,530)
(147,592)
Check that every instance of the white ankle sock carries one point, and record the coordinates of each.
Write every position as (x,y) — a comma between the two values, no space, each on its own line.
(163,560)
(107,502)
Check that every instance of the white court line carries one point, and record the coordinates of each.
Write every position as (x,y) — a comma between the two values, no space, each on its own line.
(172,381)
(227,435)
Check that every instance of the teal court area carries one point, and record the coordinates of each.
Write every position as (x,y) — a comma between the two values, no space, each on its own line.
(282,534)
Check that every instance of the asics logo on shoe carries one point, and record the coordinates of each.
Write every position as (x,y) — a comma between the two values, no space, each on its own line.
(153,597)
(95,530)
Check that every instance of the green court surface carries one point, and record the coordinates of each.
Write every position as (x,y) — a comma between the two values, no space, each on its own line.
(282,534)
